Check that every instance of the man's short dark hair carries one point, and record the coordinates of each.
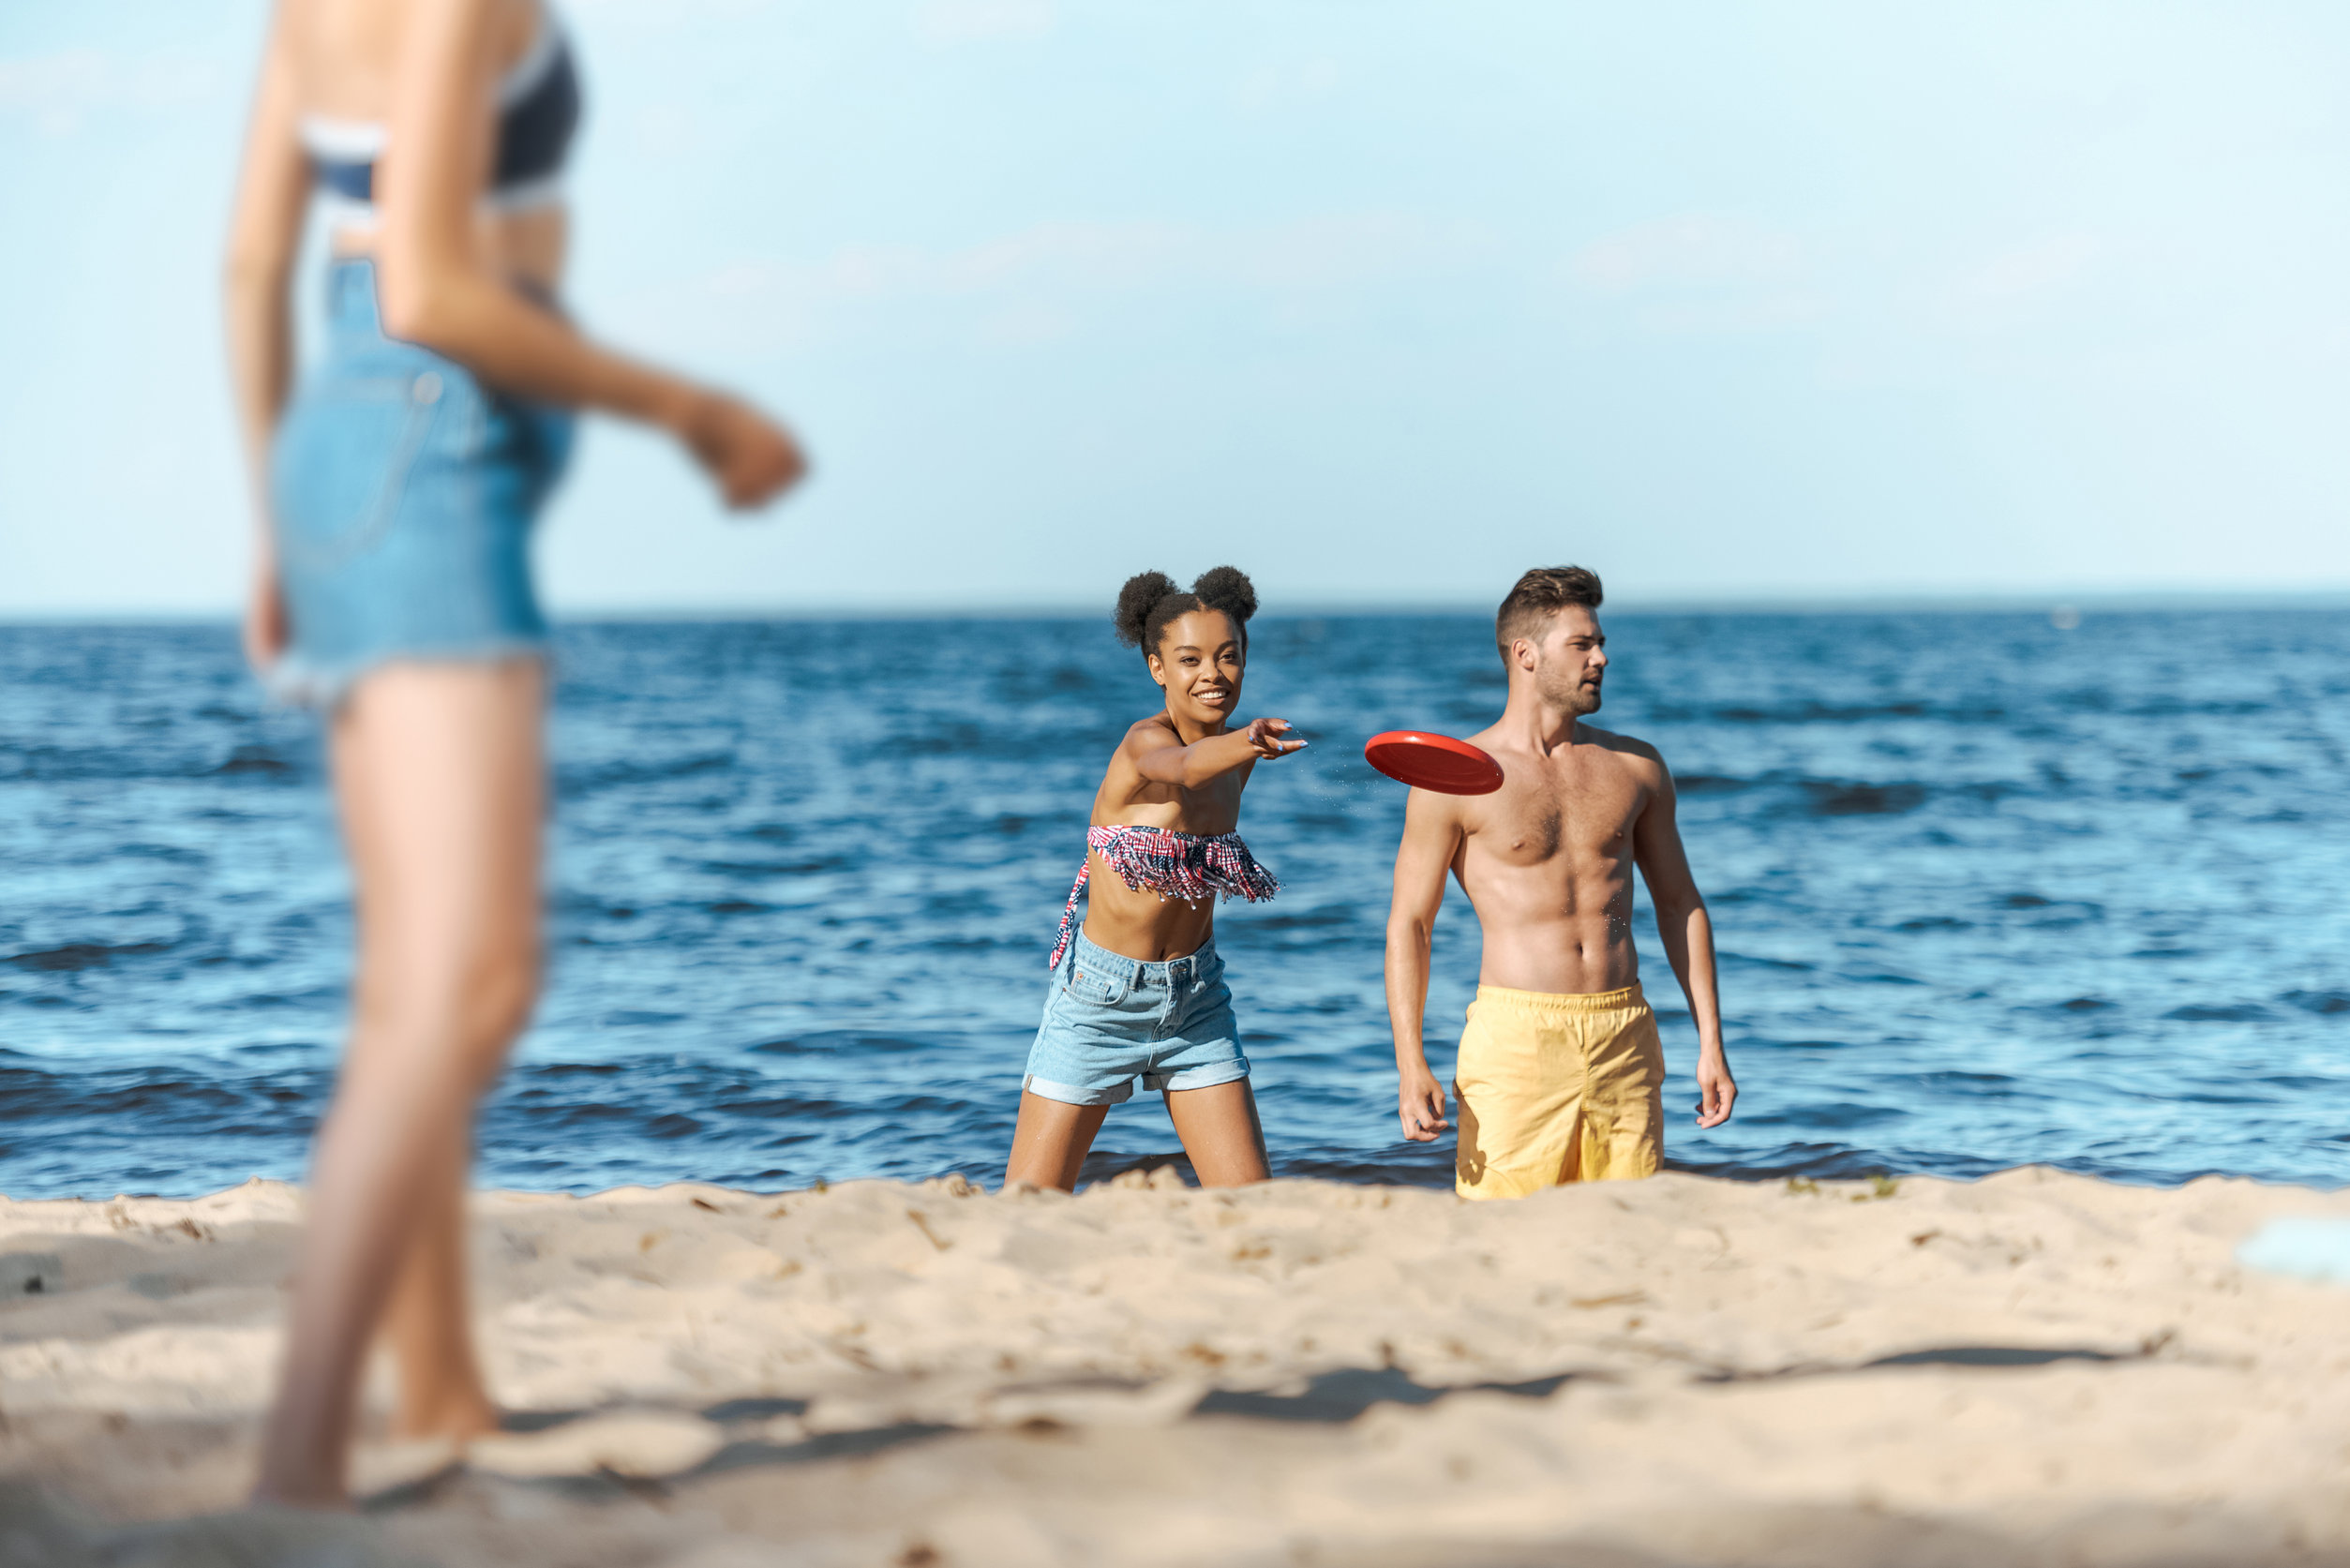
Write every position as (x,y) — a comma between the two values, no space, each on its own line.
(1540,594)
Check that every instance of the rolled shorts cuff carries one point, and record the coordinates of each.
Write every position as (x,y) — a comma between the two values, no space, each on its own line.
(1205,1076)
(1069,1094)
(298,681)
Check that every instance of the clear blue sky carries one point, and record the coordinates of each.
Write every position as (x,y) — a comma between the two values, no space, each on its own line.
(1383,302)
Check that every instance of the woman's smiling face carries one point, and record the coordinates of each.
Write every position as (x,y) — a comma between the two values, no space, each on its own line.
(1199,660)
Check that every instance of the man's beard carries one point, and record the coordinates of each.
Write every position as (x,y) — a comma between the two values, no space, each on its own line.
(1566,689)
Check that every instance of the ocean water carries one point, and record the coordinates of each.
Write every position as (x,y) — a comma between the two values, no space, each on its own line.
(1987,892)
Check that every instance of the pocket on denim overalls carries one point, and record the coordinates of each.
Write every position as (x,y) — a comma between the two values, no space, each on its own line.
(340,462)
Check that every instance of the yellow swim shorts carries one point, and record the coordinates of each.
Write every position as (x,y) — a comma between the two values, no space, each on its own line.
(1556,1089)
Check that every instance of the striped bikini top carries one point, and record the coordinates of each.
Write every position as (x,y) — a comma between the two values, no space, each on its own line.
(538,109)
(1188,866)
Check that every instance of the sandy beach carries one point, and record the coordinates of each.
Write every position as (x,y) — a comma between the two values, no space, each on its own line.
(2034,1368)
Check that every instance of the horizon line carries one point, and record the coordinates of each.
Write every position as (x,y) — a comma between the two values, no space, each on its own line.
(2114,600)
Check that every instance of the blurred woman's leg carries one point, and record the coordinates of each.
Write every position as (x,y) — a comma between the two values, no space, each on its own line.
(427,1323)
(440,776)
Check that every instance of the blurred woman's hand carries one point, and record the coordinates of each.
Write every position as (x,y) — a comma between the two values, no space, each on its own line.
(752,459)
(266,629)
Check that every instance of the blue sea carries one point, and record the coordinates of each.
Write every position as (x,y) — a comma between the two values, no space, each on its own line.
(1989,891)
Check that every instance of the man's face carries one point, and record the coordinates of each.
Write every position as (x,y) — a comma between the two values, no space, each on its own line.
(1570,659)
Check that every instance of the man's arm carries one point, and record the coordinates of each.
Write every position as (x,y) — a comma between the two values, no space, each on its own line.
(1687,931)
(1432,835)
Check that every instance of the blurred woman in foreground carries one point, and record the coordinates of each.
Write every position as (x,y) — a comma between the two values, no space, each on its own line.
(399,484)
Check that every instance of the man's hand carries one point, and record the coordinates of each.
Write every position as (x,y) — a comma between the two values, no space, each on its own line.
(1717,1092)
(1264,737)
(1420,1106)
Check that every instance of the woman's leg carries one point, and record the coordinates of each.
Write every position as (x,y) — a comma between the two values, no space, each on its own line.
(1049,1143)
(427,1323)
(440,773)
(1219,1131)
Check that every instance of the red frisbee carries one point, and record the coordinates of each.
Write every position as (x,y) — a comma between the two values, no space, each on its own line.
(1436,762)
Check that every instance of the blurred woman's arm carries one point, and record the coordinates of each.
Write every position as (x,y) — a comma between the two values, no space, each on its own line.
(435,288)
(264,234)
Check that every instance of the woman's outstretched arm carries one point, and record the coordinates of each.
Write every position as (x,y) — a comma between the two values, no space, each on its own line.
(435,288)
(1161,759)
(273,195)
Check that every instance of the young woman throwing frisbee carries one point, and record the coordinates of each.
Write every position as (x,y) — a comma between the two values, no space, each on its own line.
(1139,991)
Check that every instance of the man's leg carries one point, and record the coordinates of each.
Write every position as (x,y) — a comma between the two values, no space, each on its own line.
(1520,1087)
(1571,1168)
(1620,1134)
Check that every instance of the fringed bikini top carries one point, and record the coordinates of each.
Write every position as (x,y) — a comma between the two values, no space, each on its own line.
(1188,866)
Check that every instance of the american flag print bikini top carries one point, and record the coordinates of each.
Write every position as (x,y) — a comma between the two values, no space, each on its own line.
(1188,866)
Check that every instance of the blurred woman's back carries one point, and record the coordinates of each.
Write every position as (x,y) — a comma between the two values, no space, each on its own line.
(344,52)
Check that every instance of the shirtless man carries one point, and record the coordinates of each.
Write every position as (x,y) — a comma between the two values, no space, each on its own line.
(1560,1073)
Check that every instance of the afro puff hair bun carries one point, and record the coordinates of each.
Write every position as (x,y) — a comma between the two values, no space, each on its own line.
(1136,600)
(1227,589)
(1150,601)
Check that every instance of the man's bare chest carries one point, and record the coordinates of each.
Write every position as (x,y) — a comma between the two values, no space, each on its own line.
(1534,820)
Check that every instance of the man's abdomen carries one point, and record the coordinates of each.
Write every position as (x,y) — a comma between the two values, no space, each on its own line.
(1577,955)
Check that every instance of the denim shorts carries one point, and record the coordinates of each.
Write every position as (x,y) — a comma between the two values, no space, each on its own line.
(1109,1019)
(402,495)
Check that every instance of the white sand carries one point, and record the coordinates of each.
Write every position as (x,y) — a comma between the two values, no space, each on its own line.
(888,1374)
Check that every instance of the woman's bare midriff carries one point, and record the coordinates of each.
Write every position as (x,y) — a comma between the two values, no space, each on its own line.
(1142,925)
(527,247)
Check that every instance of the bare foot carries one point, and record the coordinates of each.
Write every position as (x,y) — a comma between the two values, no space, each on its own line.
(457,1421)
